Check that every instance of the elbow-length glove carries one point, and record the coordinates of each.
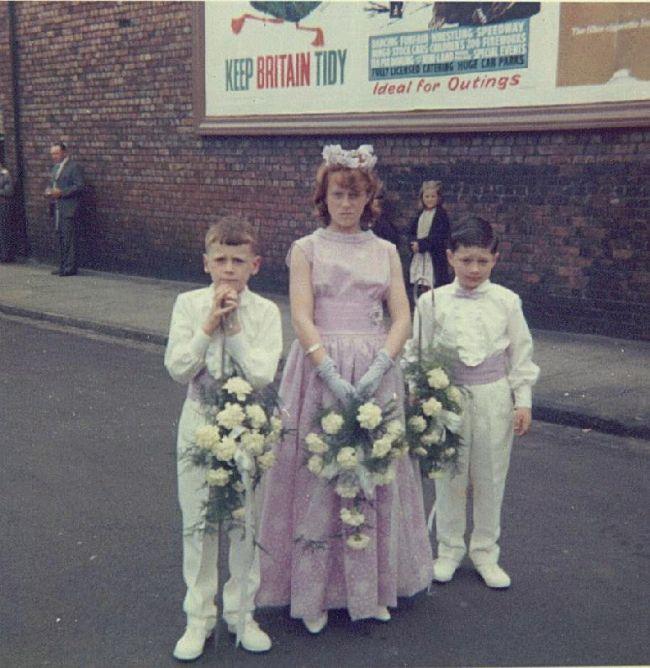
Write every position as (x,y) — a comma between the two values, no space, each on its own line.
(370,381)
(337,385)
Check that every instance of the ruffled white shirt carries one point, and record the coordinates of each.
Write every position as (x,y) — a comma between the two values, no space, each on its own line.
(488,322)
(256,348)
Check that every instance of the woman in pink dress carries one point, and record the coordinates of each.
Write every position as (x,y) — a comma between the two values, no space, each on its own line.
(341,277)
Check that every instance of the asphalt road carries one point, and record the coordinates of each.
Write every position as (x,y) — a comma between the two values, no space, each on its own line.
(90,551)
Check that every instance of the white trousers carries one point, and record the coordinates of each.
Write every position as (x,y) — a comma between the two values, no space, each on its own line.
(487,434)
(201,549)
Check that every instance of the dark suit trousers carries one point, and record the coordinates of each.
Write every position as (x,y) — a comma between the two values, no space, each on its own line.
(67,245)
(6,250)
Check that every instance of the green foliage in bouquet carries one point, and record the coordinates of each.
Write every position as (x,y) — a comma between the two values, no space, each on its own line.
(433,411)
(235,443)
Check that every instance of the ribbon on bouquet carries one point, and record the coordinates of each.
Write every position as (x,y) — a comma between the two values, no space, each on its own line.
(245,465)
(446,418)
(416,286)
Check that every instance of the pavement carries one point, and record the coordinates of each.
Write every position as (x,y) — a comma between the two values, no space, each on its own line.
(588,381)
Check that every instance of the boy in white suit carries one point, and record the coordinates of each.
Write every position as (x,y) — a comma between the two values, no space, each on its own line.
(484,323)
(251,327)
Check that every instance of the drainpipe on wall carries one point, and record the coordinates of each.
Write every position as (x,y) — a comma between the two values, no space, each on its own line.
(21,242)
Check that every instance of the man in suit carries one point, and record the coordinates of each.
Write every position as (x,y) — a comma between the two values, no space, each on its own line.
(6,191)
(65,192)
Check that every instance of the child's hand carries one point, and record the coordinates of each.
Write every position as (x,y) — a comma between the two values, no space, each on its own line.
(414,246)
(225,302)
(523,418)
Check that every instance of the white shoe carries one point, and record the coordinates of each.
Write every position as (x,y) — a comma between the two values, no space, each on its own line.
(316,625)
(190,645)
(382,614)
(253,639)
(494,576)
(444,569)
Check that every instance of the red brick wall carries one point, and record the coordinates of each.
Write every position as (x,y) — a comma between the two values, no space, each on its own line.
(6,98)
(114,81)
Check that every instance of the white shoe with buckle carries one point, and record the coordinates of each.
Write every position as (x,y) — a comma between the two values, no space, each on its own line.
(253,639)
(444,569)
(190,645)
(316,625)
(494,576)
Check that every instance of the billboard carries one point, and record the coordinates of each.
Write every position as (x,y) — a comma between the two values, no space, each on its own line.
(328,66)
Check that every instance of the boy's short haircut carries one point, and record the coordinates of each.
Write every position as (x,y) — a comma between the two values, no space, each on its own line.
(473,231)
(232,231)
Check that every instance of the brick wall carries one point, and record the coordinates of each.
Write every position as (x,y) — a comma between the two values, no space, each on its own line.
(114,81)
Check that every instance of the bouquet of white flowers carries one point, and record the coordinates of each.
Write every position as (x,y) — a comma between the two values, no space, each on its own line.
(234,446)
(433,412)
(354,449)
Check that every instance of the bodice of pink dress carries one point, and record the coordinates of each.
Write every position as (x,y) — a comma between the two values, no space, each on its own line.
(302,562)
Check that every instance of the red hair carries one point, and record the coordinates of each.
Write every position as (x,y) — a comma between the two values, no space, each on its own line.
(359,180)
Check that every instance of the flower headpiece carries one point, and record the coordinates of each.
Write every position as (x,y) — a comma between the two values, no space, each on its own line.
(360,158)
(431,184)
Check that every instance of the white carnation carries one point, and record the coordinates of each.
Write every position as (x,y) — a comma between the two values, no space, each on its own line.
(358,541)
(217,477)
(369,415)
(420,451)
(332,423)
(396,453)
(431,438)
(438,379)
(315,464)
(385,478)
(253,442)
(381,447)
(395,428)
(352,517)
(225,450)
(418,424)
(256,415)
(266,460)
(435,474)
(347,458)
(316,444)
(454,394)
(239,387)
(346,490)
(207,437)
(239,513)
(231,416)
(431,407)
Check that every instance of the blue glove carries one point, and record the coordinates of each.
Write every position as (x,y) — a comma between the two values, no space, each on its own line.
(370,381)
(337,385)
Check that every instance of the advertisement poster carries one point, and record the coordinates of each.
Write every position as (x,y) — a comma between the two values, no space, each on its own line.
(288,58)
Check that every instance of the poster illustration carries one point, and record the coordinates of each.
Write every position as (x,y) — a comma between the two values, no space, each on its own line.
(288,58)
(603,43)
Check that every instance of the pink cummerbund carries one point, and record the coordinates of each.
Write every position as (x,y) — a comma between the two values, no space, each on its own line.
(489,370)
(351,317)
(201,383)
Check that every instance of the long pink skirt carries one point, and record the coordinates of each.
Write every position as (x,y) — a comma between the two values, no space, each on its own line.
(301,564)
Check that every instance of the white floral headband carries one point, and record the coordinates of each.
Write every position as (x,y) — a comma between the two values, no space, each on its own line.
(360,158)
